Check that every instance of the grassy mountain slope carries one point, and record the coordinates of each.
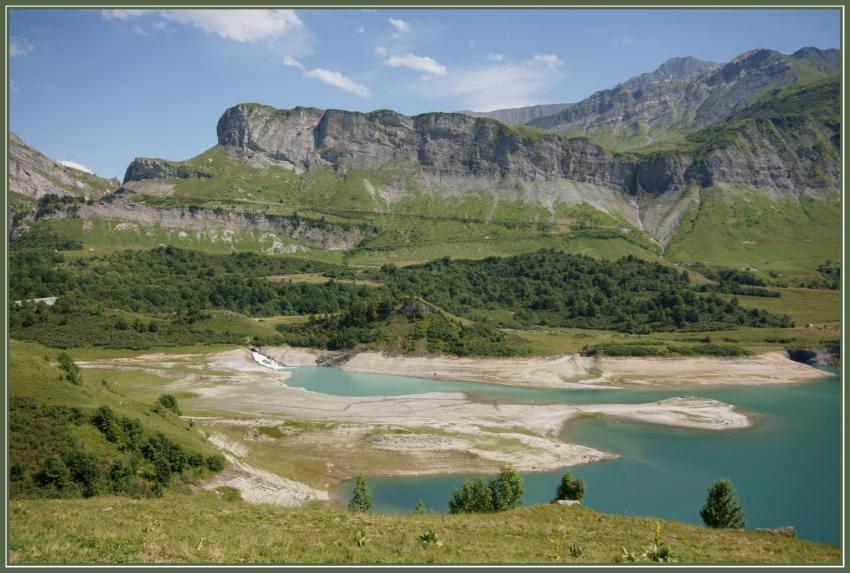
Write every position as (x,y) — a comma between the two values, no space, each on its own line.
(741,228)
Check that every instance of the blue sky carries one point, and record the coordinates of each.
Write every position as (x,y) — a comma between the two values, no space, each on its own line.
(102,87)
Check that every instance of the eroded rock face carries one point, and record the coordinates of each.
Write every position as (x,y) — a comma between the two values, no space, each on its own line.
(35,175)
(447,144)
(456,145)
(147,168)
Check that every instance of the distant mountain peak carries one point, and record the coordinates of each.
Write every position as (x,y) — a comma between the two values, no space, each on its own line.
(679,68)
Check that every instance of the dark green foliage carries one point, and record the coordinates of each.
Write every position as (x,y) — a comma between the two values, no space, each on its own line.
(364,323)
(361,498)
(122,474)
(169,402)
(721,509)
(44,239)
(53,474)
(178,283)
(556,289)
(570,488)
(474,497)
(638,349)
(508,488)
(84,468)
(72,371)
(214,463)
(499,494)
(831,272)
(50,204)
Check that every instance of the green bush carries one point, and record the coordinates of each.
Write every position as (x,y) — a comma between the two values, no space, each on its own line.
(72,371)
(570,488)
(500,494)
(53,474)
(169,402)
(215,463)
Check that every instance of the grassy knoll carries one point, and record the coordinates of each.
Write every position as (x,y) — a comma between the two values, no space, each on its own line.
(207,528)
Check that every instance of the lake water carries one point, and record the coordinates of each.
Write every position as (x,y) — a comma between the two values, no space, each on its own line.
(786,470)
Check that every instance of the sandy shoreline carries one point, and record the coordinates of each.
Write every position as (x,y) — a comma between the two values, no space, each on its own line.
(575,371)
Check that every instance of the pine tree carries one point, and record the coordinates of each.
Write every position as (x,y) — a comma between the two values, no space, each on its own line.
(722,509)
(420,508)
(361,499)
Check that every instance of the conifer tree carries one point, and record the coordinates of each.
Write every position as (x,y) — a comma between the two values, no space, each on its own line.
(722,509)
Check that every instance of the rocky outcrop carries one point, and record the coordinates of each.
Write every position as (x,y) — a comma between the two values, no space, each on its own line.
(147,168)
(829,356)
(684,93)
(316,233)
(35,175)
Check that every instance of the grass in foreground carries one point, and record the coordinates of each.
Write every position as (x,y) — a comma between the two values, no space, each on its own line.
(208,528)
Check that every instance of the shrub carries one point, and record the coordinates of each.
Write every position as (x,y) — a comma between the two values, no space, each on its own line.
(570,488)
(53,473)
(500,494)
(84,469)
(215,463)
(169,402)
(508,488)
(72,371)
(722,509)
(473,497)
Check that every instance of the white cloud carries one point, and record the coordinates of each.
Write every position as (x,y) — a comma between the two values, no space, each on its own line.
(160,25)
(139,31)
(290,61)
(549,59)
(75,165)
(399,25)
(380,51)
(123,15)
(418,63)
(239,25)
(19,47)
(495,57)
(338,80)
(489,87)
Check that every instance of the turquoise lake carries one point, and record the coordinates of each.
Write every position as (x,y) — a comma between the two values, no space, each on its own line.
(786,469)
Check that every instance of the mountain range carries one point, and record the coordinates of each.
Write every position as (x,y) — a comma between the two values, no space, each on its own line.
(734,164)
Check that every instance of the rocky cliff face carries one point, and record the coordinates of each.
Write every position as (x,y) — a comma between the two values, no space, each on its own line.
(146,168)
(35,175)
(448,144)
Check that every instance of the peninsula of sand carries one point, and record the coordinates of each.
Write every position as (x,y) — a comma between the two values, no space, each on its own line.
(288,445)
